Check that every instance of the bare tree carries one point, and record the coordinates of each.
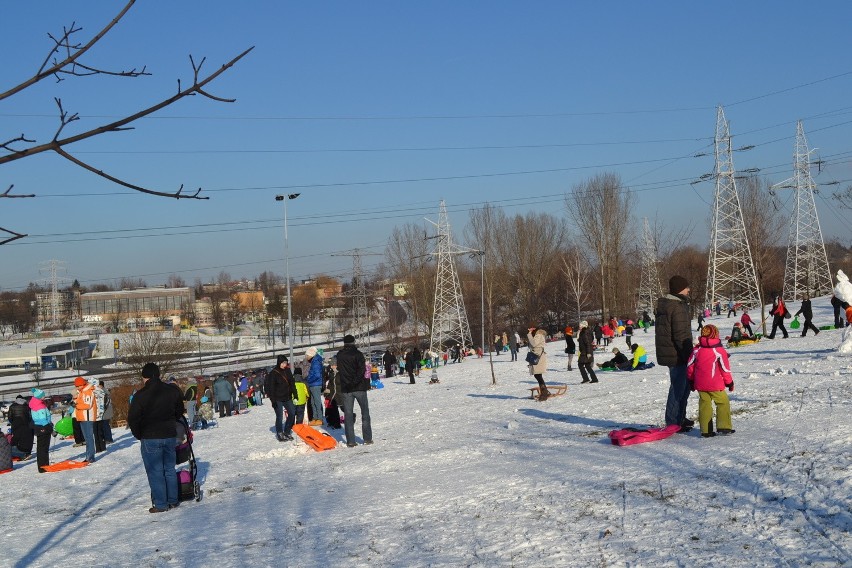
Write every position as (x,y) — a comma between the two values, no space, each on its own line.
(407,252)
(576,270)
(763,224)
(600,208)
(67,58)
(175,281)
(143,346)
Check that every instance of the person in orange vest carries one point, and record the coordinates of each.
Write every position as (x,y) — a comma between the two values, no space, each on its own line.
(86,414)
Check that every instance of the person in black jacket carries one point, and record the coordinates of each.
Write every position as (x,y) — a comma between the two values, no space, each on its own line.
(807,311)
(281,390)
(388,360)
(22,426)
(350,367)
(586,354)
(152,418)
(411,362)
(673,338)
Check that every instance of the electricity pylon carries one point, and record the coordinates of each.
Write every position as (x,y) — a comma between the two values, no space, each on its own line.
(806,271)
(449,318)
(649,283)
(358,294)
(730,270)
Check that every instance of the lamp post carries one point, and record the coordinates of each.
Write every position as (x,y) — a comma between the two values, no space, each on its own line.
(285,199)
(481,255)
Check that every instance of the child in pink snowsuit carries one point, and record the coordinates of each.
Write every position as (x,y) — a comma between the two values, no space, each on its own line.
(709,372)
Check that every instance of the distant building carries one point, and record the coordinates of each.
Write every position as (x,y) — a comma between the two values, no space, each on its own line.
(143,307)
(57,310)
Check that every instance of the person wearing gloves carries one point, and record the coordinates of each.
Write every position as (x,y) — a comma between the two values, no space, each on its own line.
(42,426)
(709,372)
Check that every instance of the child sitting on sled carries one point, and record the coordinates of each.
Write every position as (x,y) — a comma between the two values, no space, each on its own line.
(709,372)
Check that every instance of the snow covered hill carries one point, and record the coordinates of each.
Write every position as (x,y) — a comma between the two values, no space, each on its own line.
(468,474)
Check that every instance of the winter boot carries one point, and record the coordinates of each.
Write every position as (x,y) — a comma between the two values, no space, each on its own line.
(725,431)
(544,394)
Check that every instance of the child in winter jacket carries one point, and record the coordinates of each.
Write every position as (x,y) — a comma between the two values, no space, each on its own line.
(205,412)
(301,397)
(42,426)
(709,372)
(570,346)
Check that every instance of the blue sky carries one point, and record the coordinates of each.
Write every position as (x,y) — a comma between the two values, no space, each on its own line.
(375,111)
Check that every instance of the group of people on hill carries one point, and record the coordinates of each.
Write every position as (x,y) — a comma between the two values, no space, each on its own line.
(90,412)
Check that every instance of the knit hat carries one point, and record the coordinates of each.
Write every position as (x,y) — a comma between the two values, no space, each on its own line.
(710,331)
(151,371)
(204,399)
(677,284)
(348,339)
(281,359)
(583,324)
(80,382)
(633,347)
(569,330)
(38,393)
(311,351)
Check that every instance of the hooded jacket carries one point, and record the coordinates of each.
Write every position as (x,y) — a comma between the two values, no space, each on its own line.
(708,367)
(39,411)
(673,335)
(315,371)
(350,367)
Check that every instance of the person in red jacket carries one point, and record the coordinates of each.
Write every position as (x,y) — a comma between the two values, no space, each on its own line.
(746,320)
(778,313)
(709,372)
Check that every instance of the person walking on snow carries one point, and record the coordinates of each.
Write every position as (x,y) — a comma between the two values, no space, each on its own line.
(586,354)
(807,311)
(746,320)
(673,338)
(778,313)
(280,389)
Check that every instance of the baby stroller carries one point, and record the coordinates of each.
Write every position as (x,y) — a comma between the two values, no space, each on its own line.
(188,486)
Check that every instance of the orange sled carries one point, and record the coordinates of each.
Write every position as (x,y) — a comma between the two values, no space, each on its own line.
(314,438)
(63,465)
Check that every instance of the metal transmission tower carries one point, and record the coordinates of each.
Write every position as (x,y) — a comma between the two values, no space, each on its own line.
(449,319)
(649,283)
(55,304)
(806,272)
(358,294)
(730,270)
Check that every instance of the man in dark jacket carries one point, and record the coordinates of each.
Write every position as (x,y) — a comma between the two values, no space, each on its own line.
(673,337)
(281,390)
(22,426)
(152,418)
(411,363)
(350,366)
(388,360)
(807,311)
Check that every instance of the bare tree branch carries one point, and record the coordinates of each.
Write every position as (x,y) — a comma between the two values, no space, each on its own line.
(9,195)
(15,236)
(8,144)
(118,124)
(73,52)
(177,195)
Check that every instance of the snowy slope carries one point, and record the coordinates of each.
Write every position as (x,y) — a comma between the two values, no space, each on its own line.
(468,474)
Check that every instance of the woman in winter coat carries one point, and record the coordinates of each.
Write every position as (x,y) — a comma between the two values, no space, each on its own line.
(536,345)
(778,313)
(586,357)
(19,416)
(570,346)
(709,372)
(42,426)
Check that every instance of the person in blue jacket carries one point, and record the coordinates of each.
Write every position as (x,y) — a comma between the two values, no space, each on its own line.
(314,380)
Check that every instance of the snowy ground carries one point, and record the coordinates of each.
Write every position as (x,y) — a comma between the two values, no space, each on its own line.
(468,474)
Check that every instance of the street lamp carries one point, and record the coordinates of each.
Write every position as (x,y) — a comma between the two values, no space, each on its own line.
(285,199)
(481,255)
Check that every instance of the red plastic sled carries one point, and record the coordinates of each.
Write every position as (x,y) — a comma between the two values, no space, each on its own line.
(314,438)
(630,436)
(63,465)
